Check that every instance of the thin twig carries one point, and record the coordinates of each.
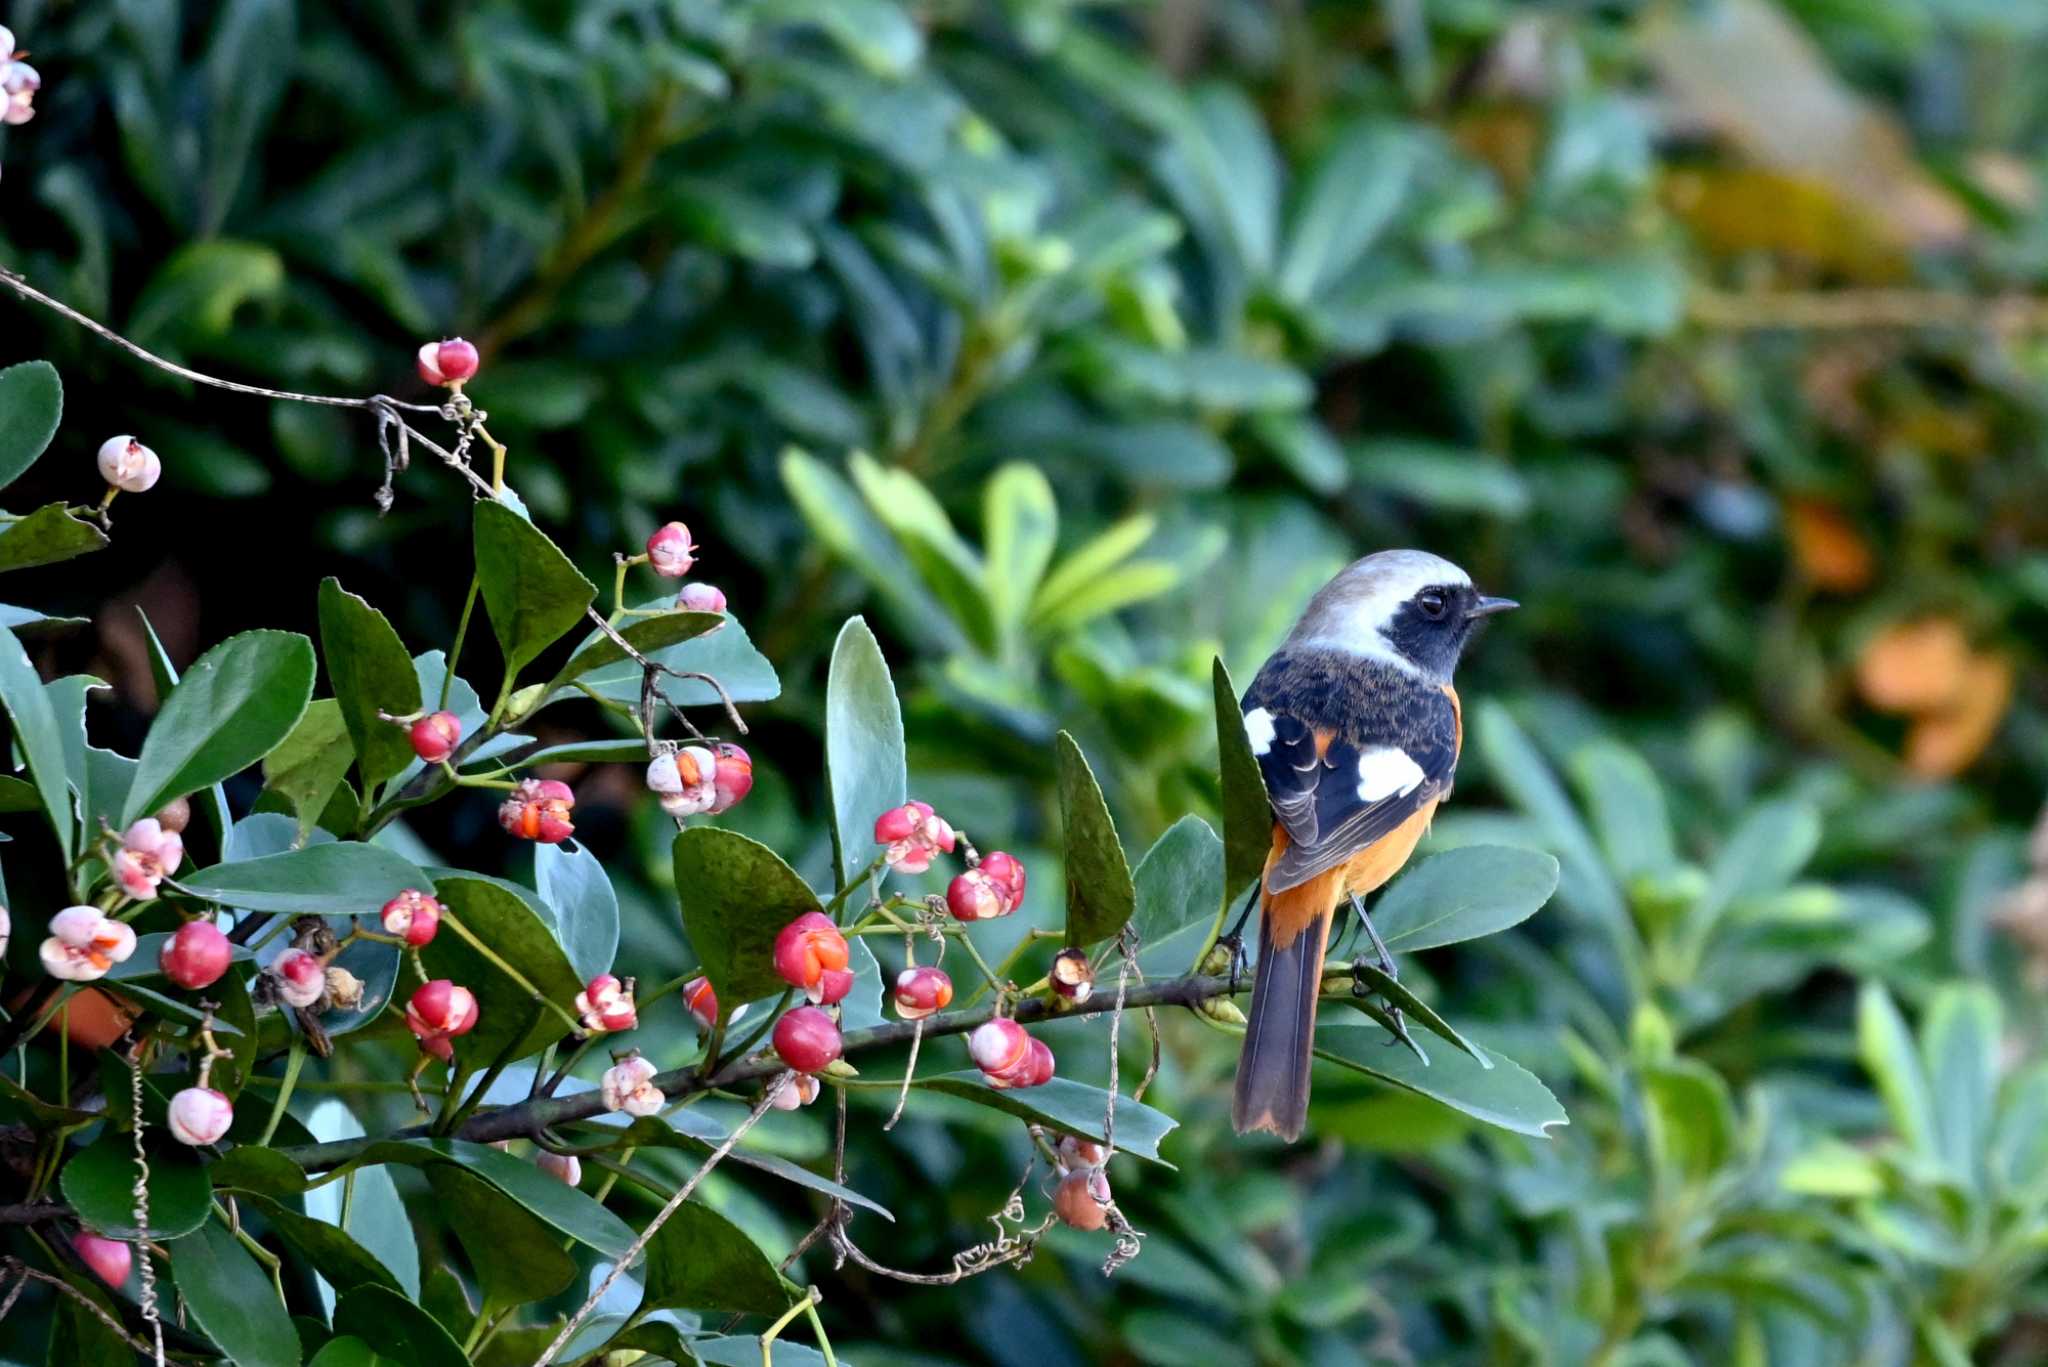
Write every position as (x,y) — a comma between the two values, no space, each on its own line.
(15,1267)
(661,1217)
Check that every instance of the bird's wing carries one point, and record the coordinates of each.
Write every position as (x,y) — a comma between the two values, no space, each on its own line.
(1336,797)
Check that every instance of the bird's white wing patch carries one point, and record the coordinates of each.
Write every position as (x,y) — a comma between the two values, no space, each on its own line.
(1258,728)
(1387,772)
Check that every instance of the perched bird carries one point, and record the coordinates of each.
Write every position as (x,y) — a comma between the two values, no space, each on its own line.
(1357,730)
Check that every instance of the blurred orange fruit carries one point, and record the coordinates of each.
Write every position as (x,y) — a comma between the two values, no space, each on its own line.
(1827,547)
(1917,666)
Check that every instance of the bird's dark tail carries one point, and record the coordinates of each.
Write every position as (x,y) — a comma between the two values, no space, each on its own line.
(1279,1034)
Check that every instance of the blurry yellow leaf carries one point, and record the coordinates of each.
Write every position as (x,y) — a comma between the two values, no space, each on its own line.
(1916,666)
(1736,210)
(1943,744)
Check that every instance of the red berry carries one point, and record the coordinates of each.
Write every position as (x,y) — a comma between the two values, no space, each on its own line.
(806,1039)
(974,896)
(413,915)
(1082,1200)
(1040,1069)
(733,777)
(999,1046)
(435,736)
(538,809)
(1008,872)
(196,955)
(921,990)
(808,948)
(833,985)
(110,1259)
(702,1001)
(438,1012)
(447,363)
(670,552)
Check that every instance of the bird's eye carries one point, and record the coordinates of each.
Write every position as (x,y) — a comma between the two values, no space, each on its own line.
(1432,604)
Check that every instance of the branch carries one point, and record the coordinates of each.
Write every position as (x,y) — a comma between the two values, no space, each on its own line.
(528,1118)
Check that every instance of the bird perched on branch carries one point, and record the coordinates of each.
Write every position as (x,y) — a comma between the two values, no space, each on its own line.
(1357,730)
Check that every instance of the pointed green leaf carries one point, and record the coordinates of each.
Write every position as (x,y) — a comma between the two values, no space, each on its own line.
(372,672)
(1626,804)
(700,1260)
(1507,1094)
(1395,993)
(350,1351)
(1773,843)
(45,537)
(1960,1041)
(396,1328)
(736,896)
(41,739)
(99,1182)
(1178,897)
(1888,1055)
(1247,812)
(333,1253)
(310,763)
(532,591)
(574,885)
(691,1130)
(31,405)
(1020,526)
(519,933)
(231,1300)
(648,635)
(865,770)
(516,1258)
(1100,895)
(948,566)
(230,709)
(1691,1118)
(1066,1106)
(727,655)
(331,878)
(1462,894)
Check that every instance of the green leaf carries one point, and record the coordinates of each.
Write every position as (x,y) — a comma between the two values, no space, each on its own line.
(1626,803)
(1442,478)
(1100,896)
(231,708)
(948,565)
(30,624)
(700,1260)
(736,896)
(1392,992)
(99,1182)
(1069,1107)
(1462,894)
(518,931)
(230,1298)
(1247,812)
(1177,897)
(310,763)
(371,672)
(31,405)
(1894,1064)
(41,741)
(366,1207)
(18,795)
(1960,1040)
(195,293)
(691,1130)
(574,885)
(1506,1095)
(648,635)
(1350,198)
(396,1328)
(727,655)
(332,878)
(723,216)
(1690,1118)
(210,805)
(1020,527)
(46,536)
(1773,843)
(332,1253)
(516,1258)
(865,770)
(877,34)
(532,591)
(350,1351)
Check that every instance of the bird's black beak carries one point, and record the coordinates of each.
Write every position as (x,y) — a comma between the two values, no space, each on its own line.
(1486,607)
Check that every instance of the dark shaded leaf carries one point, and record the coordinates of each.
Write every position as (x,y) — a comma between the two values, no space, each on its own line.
(329,878)
(230,1298)
(230,709)
(309,765)
(516,1258)
(37,733)
(736,896)
(1100,897)
(1069,1107)
(1247,812)
(99,1182)
(532,591)
(372,672)
(31,406)
(519,931)
(700,1260)
(46,536)
(396,1328)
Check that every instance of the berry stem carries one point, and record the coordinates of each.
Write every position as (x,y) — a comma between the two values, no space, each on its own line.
(476,585)
(454,923)
(293,1062)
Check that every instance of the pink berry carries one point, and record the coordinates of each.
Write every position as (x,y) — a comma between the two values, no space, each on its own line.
(439,1012)
(196,955)
(565,1168)
(607,1005)
(110,1259)
(801,1091)
(807,949)
(148,855)
(732,777)
(702,1001)
(447,363)
(974,896)
(670,552)
(922,989)
(413,915)
(807,1039)
(628,1086)
(1040,1069)
(914,835)
(200,1115)
(1008,872)
(833,985)
(128,465)
(697,596)
(435,736)
(999,1046)
(301,978)
(538,809)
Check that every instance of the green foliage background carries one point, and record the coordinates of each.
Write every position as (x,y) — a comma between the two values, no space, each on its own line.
(1074,343)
